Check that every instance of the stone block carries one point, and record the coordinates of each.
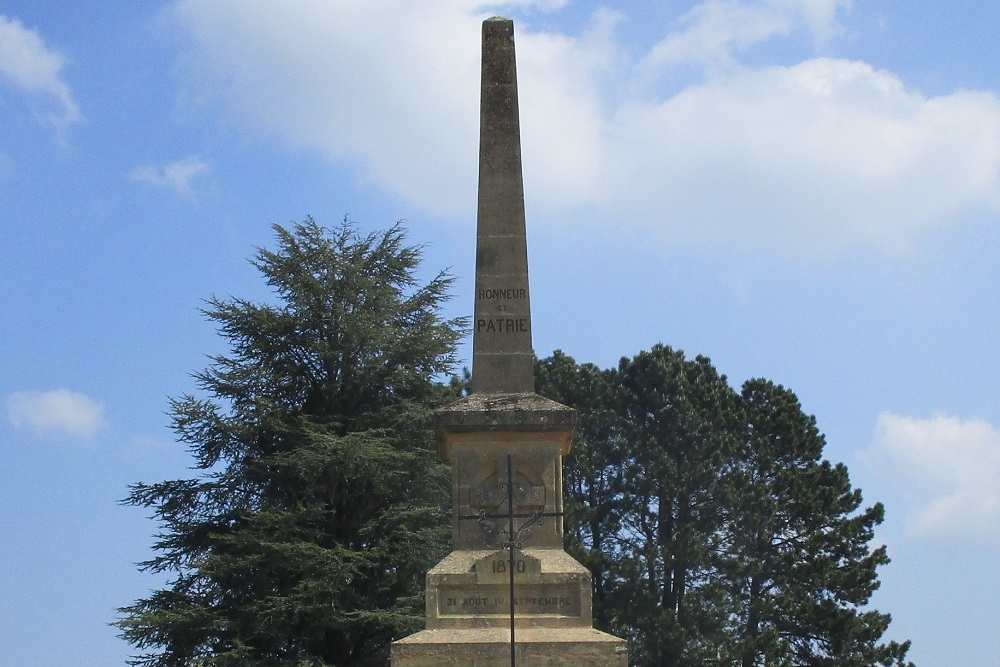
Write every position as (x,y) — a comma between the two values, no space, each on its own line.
(490,647)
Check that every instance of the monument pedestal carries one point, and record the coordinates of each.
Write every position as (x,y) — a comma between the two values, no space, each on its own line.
(502,444)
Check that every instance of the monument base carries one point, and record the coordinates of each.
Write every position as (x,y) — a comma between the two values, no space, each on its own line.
(490,647)
(470,590)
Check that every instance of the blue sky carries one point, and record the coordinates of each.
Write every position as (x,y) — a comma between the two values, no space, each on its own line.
(802,190)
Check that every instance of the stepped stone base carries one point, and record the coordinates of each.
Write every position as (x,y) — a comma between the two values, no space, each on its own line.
(490,647)
(469,590)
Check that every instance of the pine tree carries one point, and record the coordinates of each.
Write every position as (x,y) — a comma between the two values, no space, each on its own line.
(678,416)
(717,532)
(653,438)
(797,562)
(319,504)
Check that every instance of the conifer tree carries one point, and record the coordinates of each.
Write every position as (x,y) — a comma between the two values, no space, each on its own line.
(797,564)
(677,418)
(318,504)
(717,532)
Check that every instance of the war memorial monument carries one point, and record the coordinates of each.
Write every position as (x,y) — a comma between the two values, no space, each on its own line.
(508,594)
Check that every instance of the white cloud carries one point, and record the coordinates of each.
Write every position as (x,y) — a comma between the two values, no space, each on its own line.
(714,30)
(391,86)
(58,410)
(32,66)
(178,176)
(804,159)
(952,469)
(810,158)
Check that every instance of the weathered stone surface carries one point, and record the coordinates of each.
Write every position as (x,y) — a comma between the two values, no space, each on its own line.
(490,647)
(479,477)
(502,359)
(471,589)
(505,412)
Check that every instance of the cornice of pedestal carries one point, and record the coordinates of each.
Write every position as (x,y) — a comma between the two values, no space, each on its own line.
(494,415)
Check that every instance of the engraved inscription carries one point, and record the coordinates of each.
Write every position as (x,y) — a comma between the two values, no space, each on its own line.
(502,324)
(495,569)
(501,293)
(499,565)
(492,600)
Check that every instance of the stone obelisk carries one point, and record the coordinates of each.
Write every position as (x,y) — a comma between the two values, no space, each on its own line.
(508,594)
(503,360)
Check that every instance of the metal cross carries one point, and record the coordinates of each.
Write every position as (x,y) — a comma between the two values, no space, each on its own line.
(512,541)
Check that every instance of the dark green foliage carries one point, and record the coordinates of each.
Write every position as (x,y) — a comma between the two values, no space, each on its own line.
(592,484)
(305,539)
(716,533)
(797,562)
(677,417)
